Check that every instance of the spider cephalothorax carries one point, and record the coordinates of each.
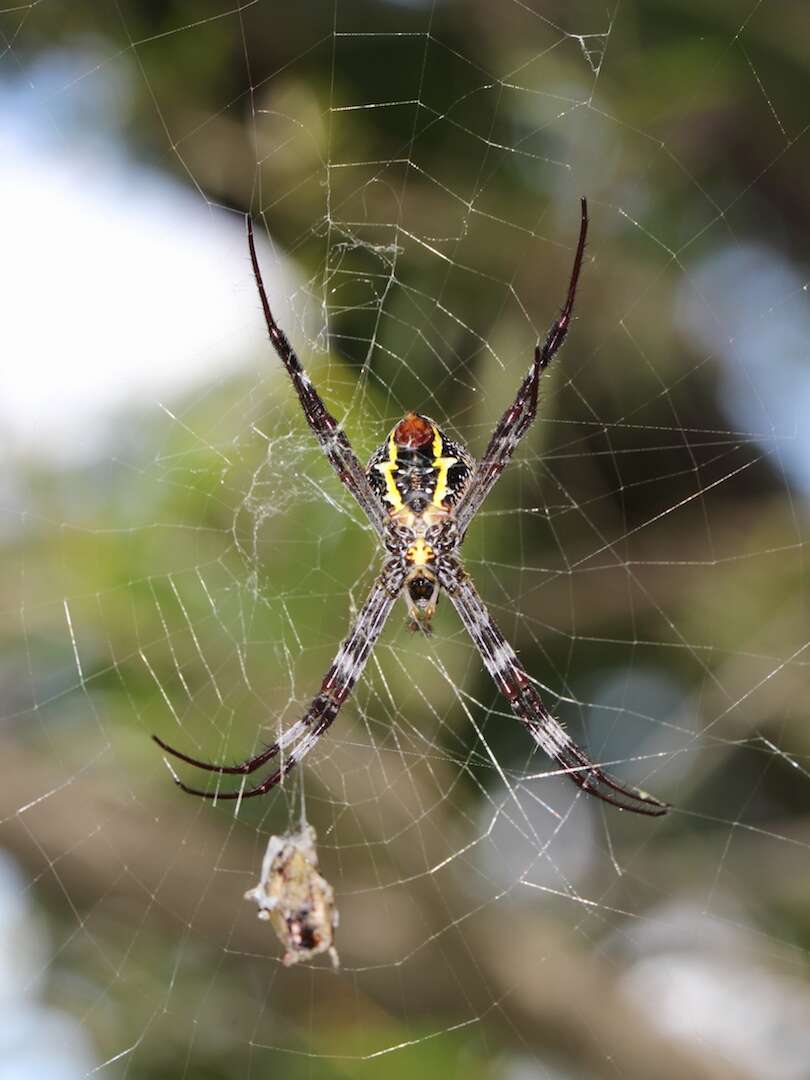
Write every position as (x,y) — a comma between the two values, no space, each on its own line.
(420,492)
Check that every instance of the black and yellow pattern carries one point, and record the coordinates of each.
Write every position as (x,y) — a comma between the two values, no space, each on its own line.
(414,478)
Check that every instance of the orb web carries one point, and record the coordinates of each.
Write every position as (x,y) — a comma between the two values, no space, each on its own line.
(180,559)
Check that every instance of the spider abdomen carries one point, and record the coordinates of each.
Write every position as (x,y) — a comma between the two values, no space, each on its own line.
(418,468)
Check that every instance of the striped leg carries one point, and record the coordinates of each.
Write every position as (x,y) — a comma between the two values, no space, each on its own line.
(513,682)
(334,442)
(518,417)
(296,742)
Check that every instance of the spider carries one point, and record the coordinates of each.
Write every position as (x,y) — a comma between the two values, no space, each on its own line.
(420,492)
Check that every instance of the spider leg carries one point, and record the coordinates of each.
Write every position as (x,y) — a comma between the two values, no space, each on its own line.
(518,417)
(513,682)
(299,739)
(333,440)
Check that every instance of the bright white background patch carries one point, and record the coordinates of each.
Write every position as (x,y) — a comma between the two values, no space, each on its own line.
(119,287)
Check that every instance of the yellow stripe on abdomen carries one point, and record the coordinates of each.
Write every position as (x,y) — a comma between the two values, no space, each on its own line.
(442,465)
(388,468)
